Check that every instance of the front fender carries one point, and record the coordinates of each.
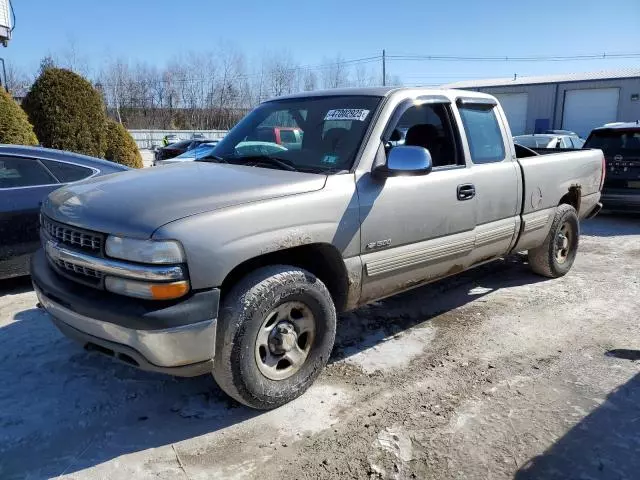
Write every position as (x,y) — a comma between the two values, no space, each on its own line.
(216,242)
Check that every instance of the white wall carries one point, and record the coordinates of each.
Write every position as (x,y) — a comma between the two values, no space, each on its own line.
(587,108)
(540,101)
(5,22)
(515,108)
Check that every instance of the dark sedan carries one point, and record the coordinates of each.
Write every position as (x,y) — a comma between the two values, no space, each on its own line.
(178,148)
(27,176)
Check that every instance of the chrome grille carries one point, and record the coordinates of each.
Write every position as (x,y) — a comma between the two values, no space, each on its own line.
(78,269)
(72,236)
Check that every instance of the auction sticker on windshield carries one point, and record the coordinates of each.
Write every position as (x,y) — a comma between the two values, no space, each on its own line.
(347,114)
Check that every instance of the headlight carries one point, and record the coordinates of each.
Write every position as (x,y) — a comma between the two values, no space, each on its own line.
(144,251)
(149,291)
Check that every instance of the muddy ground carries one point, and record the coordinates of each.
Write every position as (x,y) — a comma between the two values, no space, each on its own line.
(495,373)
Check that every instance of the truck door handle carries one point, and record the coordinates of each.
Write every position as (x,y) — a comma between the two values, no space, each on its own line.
(466,191)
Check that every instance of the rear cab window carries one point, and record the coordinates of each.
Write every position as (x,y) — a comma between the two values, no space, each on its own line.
(288,136)
(23,172)
(484,135)
(67,172)
(615,141)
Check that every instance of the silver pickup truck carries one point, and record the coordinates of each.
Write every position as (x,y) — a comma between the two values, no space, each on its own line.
(239,263)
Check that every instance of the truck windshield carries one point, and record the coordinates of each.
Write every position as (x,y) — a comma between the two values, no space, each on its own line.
(615,141)
(328,133)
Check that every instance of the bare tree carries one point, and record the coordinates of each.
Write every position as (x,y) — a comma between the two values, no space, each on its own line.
(210,90)
(310,81)
(18,81)
(395,81)
(281,74)
(72,59)
(115,82)
(334,73)
(46,63)
(364,77)
(257,84)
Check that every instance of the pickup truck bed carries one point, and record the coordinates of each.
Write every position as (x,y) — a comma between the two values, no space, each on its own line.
(575,184)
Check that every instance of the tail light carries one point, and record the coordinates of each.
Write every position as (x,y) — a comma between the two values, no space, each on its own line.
(604,172)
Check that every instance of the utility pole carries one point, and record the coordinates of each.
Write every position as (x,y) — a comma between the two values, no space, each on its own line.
(3,80)
(384,68)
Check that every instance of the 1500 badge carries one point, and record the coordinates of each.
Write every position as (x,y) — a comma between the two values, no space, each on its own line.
(379,244)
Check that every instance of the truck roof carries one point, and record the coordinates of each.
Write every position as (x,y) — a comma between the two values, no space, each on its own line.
(380,92)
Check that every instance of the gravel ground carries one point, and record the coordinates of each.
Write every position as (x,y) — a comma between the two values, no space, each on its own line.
(495,373)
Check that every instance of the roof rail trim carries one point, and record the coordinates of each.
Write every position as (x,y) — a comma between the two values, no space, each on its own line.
(476,101)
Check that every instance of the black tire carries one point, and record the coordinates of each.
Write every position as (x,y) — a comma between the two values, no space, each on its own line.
(544,259)
(241,317)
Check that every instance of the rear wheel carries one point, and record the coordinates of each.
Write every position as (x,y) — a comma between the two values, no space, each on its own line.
(276,330)
(556,255)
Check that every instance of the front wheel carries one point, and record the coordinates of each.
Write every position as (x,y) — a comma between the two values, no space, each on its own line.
(275,333)
(556,255)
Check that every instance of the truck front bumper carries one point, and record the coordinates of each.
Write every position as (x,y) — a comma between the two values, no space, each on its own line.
(177,338)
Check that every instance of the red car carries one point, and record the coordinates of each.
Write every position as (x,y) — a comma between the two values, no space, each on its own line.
(280,135)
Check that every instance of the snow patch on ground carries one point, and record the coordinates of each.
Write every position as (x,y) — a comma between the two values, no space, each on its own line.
(382,353)
(396,441)
(237,450)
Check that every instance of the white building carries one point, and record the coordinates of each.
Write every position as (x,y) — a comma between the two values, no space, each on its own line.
(5,22)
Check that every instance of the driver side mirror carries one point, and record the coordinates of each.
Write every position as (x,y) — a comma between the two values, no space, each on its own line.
(405,161)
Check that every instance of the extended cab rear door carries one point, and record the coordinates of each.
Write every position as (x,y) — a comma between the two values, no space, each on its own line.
(495,176)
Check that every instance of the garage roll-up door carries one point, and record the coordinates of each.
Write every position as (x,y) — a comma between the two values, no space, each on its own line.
(515,107)
(589,108)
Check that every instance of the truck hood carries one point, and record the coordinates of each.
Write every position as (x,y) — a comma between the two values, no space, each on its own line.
(135,203)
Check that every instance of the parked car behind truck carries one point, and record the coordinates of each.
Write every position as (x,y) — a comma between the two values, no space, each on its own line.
(175,149)
(190,155)
(620,143)
(549,141)
(244,269)
(27,176)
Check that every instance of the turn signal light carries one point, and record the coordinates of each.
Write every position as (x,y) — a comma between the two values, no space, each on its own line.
(166,291)
(150,291)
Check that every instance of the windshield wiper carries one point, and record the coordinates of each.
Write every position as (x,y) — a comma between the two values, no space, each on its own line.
(275,161)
